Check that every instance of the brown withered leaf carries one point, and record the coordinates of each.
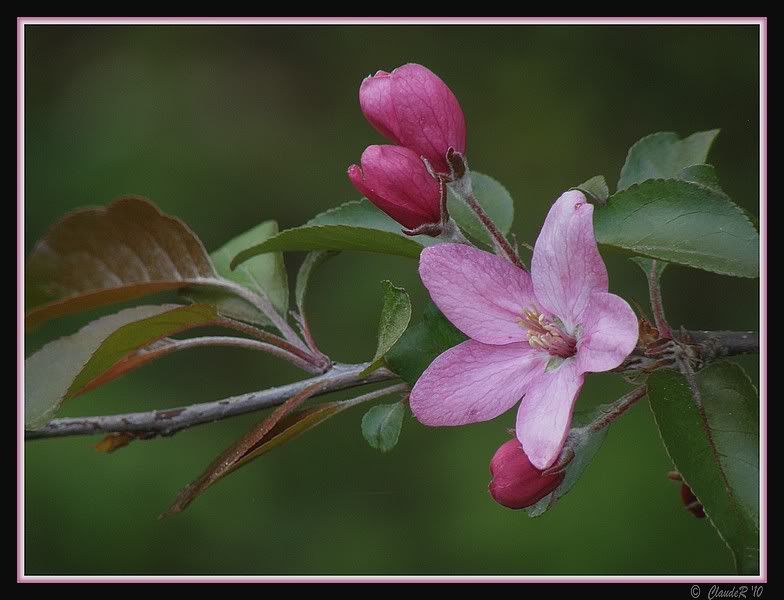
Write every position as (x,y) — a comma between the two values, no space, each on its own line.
(113,442)
(229,458)
(290,427)
(98,256)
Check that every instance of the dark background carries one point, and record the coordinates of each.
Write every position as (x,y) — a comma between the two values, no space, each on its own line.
(229,126)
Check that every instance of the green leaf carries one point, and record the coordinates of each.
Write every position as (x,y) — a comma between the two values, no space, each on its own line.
(334,237)
(421,344)
(586,444)
(99,256)
(358,213)
(312,261)
(395,316)
(706,175)
(263,275)
(493,197)
(63,367)
(702,174)
(681,222)
(381,425)
(664,155)
(718,455)
(596,188)
(355,225)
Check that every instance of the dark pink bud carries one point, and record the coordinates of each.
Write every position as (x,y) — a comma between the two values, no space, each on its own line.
(396,180)
(412,107)
(691,502)
(515,482)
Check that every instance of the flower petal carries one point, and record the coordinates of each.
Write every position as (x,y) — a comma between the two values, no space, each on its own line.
(566,267)
(609,333)
(474,382)
(375,100)
(429,118)
(546,413)
(483,295)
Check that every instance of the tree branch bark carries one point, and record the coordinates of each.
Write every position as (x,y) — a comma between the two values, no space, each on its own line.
(170,421)
(708,346)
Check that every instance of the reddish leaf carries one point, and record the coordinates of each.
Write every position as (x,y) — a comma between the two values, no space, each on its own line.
(236,452)
(99,256)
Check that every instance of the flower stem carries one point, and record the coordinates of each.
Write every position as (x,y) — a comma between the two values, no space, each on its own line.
(304,359)
(657,307)
(263,304)
(616,409)
(502,245)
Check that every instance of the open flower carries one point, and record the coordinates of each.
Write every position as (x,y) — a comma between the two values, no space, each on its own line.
(412,107)
(396,181)
(533,336)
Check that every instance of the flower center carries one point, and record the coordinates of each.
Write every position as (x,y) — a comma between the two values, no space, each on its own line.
(547,335)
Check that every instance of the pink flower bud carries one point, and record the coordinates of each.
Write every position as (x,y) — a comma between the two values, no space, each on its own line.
(691,502)
(396,180)
(412,107)
(515,482)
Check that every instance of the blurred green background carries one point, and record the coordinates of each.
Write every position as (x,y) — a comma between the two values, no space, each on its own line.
(229,126)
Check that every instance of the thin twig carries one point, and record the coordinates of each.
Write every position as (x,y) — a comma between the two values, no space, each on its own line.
(617,408)
(708,346)
(499,240)
(657,307)
(304,359)
(263,304)
(169,421)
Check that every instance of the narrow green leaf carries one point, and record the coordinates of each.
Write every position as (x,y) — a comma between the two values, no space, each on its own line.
(664,155)
(716,454)
(681,222)
(493,198)
(381,425)
(64,366)
(358,213)
(334,237)
(264,274)
(356,225)
(421,344)
(596,188)
(395,316)
(312,261)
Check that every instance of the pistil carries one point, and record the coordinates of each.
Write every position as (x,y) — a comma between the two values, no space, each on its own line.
(546,335)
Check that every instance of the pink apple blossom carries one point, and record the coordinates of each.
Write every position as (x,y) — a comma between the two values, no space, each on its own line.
(515,482)
(396,180)
(533,336)
(412,107)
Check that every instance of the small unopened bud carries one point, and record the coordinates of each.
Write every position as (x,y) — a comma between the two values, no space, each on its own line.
(396,180)
(515,482)
(691,502)
(412,107)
